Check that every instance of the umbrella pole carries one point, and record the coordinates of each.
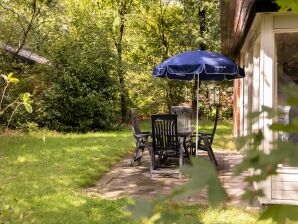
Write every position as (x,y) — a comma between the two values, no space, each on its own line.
(197,115)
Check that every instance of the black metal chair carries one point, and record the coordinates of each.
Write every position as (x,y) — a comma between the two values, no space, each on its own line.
(205,140)
(141,138)
(165,145)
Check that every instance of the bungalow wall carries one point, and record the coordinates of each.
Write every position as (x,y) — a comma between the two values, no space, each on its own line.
(261,87)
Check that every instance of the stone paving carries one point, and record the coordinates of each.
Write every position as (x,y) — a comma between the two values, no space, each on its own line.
(126,181)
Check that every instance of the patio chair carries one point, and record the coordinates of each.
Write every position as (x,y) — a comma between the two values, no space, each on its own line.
(184,124)
(165,145)
(183,117)
(141,138)
(205,140)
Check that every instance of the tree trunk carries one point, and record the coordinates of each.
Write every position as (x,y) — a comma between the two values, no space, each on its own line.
(202,22)
(202,27)
(120,71)
(194,100)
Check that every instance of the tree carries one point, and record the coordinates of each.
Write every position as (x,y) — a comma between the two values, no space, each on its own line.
(205,21)
(158,34)
(119,10)
(20,19)
(161,30)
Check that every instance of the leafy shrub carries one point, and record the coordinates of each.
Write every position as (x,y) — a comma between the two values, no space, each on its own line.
(83,93)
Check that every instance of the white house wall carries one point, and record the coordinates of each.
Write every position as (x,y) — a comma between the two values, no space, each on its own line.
(260,89)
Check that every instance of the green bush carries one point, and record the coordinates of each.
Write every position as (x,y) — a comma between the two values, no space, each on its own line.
(83,93)
(81,102)
(79,91)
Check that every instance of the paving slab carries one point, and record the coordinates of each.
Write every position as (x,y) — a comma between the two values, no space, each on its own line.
(127,181)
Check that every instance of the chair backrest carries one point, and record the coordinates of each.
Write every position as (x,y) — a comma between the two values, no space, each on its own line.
(183,117)
(164,132)
(215,123)
(134,122)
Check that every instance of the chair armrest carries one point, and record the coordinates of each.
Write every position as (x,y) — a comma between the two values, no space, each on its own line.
(143,135)
(201,133)
(146,133)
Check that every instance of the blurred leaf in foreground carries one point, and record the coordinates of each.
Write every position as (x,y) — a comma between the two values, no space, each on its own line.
(203,175)
(281,213)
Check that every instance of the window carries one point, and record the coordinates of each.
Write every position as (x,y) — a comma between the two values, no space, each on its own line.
(287,74)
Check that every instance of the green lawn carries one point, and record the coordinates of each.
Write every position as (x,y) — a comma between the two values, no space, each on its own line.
(224,139)
(43,174)
(188,214)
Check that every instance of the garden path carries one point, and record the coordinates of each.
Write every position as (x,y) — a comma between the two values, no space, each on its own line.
(126,181)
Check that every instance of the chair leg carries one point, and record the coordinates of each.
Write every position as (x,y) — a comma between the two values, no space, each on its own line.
(210,151)
(147,146)
(180,161)
(134,157)
(215,161)
(151,159)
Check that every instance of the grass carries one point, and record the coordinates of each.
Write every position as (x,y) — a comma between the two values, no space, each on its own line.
(188,214)
(223,139)
(43,174)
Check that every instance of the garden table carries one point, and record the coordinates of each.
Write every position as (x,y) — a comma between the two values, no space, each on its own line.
(184,135)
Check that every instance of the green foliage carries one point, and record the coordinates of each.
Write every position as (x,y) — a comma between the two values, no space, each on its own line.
(161,29)
(281,214)
(286,5)
(85,38)
(8,104)
(207,177)
(26,100)
(9,79)
(83,95)
(22,22)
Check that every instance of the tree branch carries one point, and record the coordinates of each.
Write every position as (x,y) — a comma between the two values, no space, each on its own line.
(15,109)
(3,94)
(8,106)
(19,20)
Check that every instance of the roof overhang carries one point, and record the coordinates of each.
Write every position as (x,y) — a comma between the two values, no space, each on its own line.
(236,17)
(24,55)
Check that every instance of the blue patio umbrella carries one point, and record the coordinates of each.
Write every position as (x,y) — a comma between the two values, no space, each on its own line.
(199,65)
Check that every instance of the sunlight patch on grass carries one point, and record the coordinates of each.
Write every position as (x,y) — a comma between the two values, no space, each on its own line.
(24,159)
(185,213)
(229,215)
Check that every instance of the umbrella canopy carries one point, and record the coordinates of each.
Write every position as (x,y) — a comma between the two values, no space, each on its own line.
(208,65)
(200,65)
